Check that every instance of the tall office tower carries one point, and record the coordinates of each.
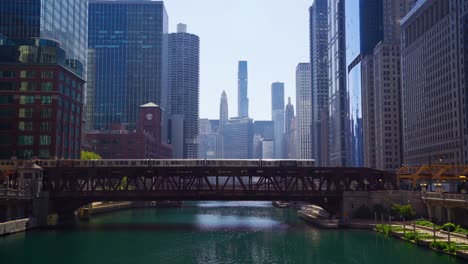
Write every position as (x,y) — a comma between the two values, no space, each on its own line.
(304,111)
(263,136)
(290,132)
(363,32)
(277,112)
(319,80)
(242,82)
(129,39)
(387,88)
(238,138)
(223,119)
(265,129)
(223,111)
(208,140)
(63,21)
(183,82)
(289,117)
(338,152)
(434,82)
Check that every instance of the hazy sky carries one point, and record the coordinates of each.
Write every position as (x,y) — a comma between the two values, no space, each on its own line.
(272,35)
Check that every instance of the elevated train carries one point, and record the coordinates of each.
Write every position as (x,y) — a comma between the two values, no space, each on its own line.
(253,163)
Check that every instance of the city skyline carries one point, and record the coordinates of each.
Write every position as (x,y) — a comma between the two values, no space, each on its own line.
(229,40)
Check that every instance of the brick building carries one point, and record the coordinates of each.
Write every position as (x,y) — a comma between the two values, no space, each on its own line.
(41,93)
(144,142)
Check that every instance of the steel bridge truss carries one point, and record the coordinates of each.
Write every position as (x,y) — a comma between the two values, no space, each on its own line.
(211,183)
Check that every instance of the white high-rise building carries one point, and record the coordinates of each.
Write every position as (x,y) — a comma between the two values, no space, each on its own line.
(304,110)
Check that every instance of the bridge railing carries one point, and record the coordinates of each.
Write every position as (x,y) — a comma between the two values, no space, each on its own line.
(445,196)
(13,193)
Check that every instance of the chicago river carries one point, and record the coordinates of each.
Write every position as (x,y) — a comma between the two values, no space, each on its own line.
(208,232)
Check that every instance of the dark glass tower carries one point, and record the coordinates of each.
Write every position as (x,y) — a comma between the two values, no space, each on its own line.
(129,39)
(62,21)
(184,72)
(319,78)
(242,100)
(277,111)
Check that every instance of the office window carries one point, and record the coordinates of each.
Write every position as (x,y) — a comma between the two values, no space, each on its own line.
(46,87)
(45,127)
(46,113)
(26,99)
(6,99)
(7,86)
(27,74)
(25,126)
(44,153)
(44,140)
(27,86)
(25,140)
(47,75)
(26,112)
(7,112)
(46,100)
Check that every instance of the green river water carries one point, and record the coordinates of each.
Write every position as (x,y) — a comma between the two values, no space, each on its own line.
(209,232)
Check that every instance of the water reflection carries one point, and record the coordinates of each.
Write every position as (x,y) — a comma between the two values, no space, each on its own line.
(208,221)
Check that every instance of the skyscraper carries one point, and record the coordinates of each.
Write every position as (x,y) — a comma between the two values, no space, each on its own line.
(338,152)
(223,119)
(183,82)
(223,111)
(319,80)
(63,21)
(242,82)
(277,112)
(129,39)
(304,111)
(290,133)
(434,82)
(238,138)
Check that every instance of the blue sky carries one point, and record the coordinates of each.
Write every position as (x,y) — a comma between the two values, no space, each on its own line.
(272,35)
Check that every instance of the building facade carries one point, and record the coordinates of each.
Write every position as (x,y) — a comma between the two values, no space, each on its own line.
(130,42)
(242,97)
(304,111)
(290,131)
(318,24)
(238,138)
(338,153)
(277,111)
(433,83)
(41,101)
(63,21)
(209,139)
(184,89)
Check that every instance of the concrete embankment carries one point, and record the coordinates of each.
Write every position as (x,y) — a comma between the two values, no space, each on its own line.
(14,226)
(85,213)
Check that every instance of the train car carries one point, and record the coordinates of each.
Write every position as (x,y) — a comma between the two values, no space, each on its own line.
(122,163)
(306,163)
(46,163)
(270,163)
(233,163)
(8,165)
(178,163)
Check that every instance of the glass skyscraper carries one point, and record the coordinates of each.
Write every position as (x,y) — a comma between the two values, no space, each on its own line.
(318,20)
(243,100)
(354,91)
(129,41)
(64,21)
